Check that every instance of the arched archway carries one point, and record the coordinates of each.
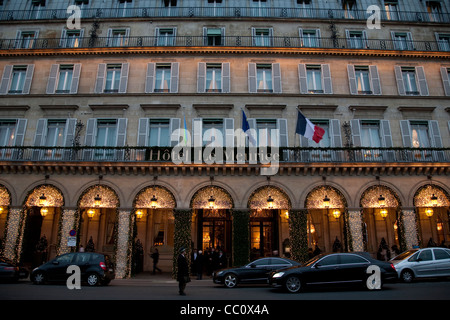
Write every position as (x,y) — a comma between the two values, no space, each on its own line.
(42,208)
(5,201)
(380,216)
(432,204)
(269,206)
(153,208)
(98,206)
(327,207)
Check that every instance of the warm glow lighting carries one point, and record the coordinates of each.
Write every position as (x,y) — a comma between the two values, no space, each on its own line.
(2,209)
(439,226)
(97,200)
(153,202)
(434,200)
(270,202)
(429,212)
(44,211)
(211,202)
(326,202)
(336,213)
(91,213)
(139,214)
(381,201)
(383,213)
(42,200)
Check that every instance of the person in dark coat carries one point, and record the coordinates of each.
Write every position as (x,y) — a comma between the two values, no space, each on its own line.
(155,257)
(198,263)
(183,271)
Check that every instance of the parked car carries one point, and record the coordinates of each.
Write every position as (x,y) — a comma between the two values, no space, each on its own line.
(331,269)
(10,271)
(96,268)
(255,272)
(422,263)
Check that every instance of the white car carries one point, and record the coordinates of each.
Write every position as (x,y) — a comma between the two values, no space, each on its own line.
(422,263)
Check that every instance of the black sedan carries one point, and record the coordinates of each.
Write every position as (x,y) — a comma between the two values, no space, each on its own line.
(336,268)
(9,271)
(255,272)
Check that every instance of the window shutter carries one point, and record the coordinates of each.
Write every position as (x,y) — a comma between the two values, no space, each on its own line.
(62,40)
(175,124)
(406,133)
(197,128)
(386,135)
(21,126)
(252,132)
(70,132)
(28,78)
(124,77)
(4,86)
(375,80)
(445,80)
(228,125)
(150,79)
(423,87)
(435,135)
(352,79)
(174,77)
(121,132)
(226,85)
(252,77)
(335,133)
(356,132)
(142,139)
(18,42)
(276,78)
(109,38)
(40,132)
(302,78)
(282,129)
(100,82)
(89,139)
(201,77)
(75,78)
(326,75)
(399,79)
(51,83)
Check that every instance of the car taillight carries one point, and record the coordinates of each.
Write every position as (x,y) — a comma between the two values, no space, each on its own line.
(393,267)
(103,265)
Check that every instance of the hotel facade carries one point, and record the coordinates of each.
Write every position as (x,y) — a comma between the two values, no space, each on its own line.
(110,127)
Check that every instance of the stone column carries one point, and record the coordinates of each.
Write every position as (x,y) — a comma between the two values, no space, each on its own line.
(68,222)
(241,237)
(182,235)
(410,228)
(298,234)
(355,226)
(14,234)
(124,246)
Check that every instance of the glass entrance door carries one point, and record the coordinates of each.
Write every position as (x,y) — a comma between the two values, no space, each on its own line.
(261,238)
(214,229)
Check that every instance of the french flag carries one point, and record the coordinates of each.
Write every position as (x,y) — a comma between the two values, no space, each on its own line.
(307,129)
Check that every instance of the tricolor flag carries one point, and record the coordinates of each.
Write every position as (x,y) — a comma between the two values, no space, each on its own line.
(307,129)
(246,128)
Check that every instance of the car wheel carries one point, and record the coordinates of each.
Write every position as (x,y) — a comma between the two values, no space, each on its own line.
(93,279)
(230,280)
(39,278)
(293,284)
(407,276)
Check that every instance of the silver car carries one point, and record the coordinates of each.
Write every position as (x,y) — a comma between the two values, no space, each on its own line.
(422,263)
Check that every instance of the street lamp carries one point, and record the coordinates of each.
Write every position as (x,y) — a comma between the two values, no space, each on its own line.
(139,214)
(381,201)
(42,200)
(326,202)
(44,211)
(91,213)
(211,202)
(153,202)
(270,202)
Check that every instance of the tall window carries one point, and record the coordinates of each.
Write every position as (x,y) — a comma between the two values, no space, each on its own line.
(159,134)
(310,38)
(262,37)
(18,79)
(28,39)
(118,37)
(213,132)
(55,133)
(443,41)
(163,77)
(314,78)
(7,132)
(260,8)
(166,37)
(391,8)
(37,8)
(124,8)
(213,78)
(409,80)
(356,39)
(71,38)
(434,11)
(350,10)
(264,78)
(64,79)
(214,37)
(216,7)
(305,7)
(363,79)
(419,134)
(326,141)
(370,134)
(402,40)
(112,78)
(264,129)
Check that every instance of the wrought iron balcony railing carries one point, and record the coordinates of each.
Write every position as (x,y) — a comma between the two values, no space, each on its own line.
(230,155)
(224,12)
(224,41)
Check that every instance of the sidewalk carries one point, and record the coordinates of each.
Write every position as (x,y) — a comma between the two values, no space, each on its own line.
(165,278)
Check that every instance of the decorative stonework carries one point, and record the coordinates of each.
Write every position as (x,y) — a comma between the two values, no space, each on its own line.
(422,198)
(164,196)
(355,225)
(109,197)
(222,198)
(369,199)
(410,227)
(316,196)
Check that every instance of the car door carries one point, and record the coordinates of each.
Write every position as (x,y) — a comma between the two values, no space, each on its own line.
(423,265)
(277,264)
(256,271)
(324,270)
(57,268)
(352,268)
(82,260)
(442,261)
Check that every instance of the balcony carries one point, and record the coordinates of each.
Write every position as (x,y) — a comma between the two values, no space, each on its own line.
(223,12)
(228,41)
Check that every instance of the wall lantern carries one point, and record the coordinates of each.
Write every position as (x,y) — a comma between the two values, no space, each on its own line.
(42,200)
(326,202)
(381,201)
(270,202)
(383,213)
(211,202)
(336,214)
(97,200)
(91,213)
(153,202)
(44,211)
(139,214)
(429,212)
(434,200)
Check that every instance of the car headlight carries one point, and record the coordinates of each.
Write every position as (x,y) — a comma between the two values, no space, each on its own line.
(278,275)
(219,273)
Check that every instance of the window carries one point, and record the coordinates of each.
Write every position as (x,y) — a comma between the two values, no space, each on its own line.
(350,9)
(165,36)
(305,7)
(445,75)
(27,39)
(402,40)
(163,78)
(12,132)
(213,36)
(159,134)
(352,259)
(213,78)
(440,254)
(329,260)
(391,8)
(264,132)
(124,8)
(259,8)
(118,37)
(314,79)
(55,133)
(18,79)
(169,7)
(370,134)
(112,78)
(310,38)
(325,142)
(37,8)
(106,137)
(356,39)
(443,41)
(434,11)
(362,79)
(425,255)
(7,132)
(71,38)
(262,37)
(419,134)
(216,7)
(411,81)
(213,131)
(264,78)
(64,79)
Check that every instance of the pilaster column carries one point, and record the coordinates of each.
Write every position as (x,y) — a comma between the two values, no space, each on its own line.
(356,232)
(298,234)
(68,222)
(14,234)
(124,250)
(241,237)
(182,235)
(410,228)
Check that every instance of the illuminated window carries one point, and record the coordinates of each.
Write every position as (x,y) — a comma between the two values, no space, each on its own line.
(64,79)
(264,78)
(163,78)
(112,78)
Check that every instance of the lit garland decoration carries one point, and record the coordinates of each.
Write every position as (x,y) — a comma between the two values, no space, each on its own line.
(223,200)
(123,251)
(182,236)
(258,198)
(298,234)
(5,201)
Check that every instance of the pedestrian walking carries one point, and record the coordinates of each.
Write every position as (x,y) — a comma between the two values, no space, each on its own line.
(155,257)
(199,265)
(183,271)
